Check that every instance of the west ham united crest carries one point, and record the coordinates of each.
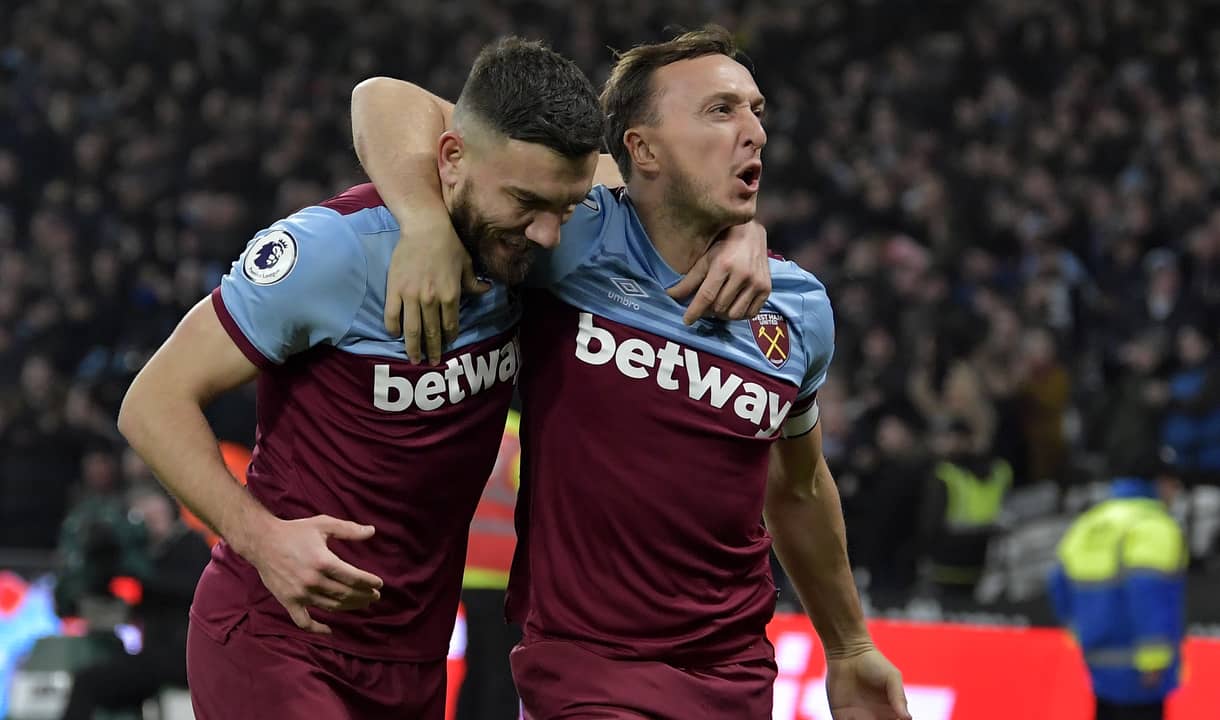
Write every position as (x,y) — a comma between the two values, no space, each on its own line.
(770,331)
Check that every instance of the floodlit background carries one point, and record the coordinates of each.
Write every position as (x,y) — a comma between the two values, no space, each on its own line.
(1013,204)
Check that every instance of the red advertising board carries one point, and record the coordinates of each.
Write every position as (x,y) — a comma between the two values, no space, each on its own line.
(961,672)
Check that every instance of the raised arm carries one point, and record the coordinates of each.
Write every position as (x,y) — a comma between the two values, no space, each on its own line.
(805,519)
(396,126)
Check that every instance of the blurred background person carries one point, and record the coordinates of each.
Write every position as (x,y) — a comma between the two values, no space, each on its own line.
(175,558)
(1119,588)
(959,515)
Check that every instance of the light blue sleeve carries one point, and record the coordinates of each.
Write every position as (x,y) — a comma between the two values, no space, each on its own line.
(816,328)
(818,333)
(578,239)
(298,284)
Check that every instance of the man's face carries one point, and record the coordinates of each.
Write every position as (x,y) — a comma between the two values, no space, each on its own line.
(710,137)
(510,199)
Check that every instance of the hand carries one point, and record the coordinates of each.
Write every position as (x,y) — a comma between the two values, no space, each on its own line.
(299,569)
(866,686)
(733,277)
(428,272)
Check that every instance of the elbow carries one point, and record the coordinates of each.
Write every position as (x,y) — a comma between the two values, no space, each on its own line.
(128,421)
(364,87)
(133,414)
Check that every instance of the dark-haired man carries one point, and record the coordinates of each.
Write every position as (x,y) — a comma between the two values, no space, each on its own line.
(642,574)
(334,592)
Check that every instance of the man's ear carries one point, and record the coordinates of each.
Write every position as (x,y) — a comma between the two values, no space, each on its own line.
(640,150)
(451,151)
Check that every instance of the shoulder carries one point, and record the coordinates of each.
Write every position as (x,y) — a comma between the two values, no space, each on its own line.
(600,207)
(330,232)
(315,252)
(802,297)
(1158,526)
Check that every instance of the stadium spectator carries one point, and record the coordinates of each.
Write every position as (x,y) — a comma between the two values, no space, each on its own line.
(960,510)
(176,556)
(1191,429)
(98,540)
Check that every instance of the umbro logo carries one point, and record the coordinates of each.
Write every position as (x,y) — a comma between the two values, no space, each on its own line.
(629,287)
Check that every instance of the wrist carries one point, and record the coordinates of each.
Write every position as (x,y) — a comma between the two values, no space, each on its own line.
(423,218)
(414,202)
(850,648)
(251,525)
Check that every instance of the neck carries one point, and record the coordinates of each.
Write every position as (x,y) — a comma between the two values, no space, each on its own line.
(679,240)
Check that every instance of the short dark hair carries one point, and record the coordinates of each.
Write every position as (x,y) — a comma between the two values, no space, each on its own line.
(528,92)
(628,97)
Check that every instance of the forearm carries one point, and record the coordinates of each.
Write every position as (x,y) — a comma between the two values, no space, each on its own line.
(171,434)
(395,129)
(810,541)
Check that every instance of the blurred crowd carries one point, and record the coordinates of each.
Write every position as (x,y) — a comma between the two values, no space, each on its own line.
(1013,204)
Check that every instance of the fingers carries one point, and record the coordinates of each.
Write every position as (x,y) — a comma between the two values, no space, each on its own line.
(729,294)
(691,281)
(741,308)
(345,529)
(705,296)
(393,314)
(898,697)
(756,305)
(350,575)
(471,282)
(411,331)
(330,594)
(450,321)
(430,315)
(300,616)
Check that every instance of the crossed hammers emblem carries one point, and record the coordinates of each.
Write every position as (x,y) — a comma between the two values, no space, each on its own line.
(774,347)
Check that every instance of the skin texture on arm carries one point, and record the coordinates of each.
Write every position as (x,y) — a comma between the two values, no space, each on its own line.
(805,518)
(162,417)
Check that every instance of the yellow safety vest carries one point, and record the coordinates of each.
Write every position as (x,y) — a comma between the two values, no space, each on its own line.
(973,502)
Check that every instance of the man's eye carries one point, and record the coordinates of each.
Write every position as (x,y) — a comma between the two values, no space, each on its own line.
(722,109)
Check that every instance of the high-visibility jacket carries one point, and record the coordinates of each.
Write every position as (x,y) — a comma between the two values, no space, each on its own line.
(493,537)
(973,502)
(1119,585)
(972,505)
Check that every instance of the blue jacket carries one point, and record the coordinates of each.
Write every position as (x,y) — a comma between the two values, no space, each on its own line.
(1119,586)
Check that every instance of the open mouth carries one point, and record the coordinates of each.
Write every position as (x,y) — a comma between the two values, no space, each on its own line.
(750,175)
